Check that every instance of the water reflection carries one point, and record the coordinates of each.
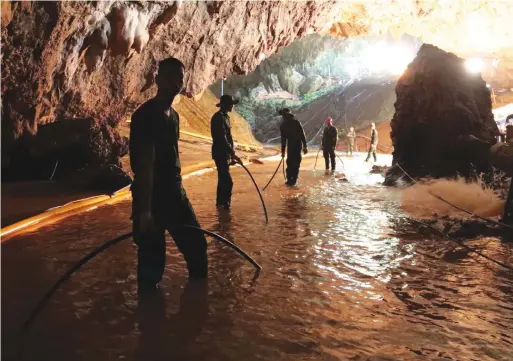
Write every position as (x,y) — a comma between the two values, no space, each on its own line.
(345,276)
(164,337)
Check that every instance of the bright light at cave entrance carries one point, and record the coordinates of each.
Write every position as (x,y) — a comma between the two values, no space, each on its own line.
(400,57)
(474,65)
(385,59)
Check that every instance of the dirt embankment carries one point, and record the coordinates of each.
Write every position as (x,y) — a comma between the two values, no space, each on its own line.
(21,200)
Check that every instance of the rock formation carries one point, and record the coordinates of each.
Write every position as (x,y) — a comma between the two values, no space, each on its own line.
(438,102)
(73,60)
(63,61)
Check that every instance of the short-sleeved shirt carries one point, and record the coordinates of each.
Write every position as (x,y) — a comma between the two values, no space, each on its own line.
(152,126)
(222,141)
(292,133)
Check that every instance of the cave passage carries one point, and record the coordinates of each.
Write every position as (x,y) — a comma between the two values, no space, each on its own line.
(345,275)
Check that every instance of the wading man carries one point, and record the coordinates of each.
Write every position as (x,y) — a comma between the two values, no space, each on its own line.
(159,199)
(223,152)
(292,138)
(329,143)
(373,143)
(351,137)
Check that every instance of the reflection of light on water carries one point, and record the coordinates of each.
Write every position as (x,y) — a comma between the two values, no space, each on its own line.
(356,247)
(357,170)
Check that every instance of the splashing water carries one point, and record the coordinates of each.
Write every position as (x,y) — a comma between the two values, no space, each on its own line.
(475,197)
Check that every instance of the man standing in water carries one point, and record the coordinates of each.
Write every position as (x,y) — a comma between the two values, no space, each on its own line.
(351,137)
(293,138)
(222,150)
(373,143)
(329,143)
(159,199)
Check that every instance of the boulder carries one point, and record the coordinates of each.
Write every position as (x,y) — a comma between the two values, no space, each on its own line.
(438,102)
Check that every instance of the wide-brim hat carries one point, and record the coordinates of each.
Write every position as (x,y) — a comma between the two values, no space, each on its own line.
(285,111)
(227,100)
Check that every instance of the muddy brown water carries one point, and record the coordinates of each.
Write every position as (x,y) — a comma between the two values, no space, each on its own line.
(345,277)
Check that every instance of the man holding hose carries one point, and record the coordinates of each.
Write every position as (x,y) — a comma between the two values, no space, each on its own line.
(159,199)
(294,140)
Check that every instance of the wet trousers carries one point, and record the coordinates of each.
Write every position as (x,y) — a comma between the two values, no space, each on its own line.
(350,147)
(372,150)
(329,154)
(293,164)
(224,181)
(171,212)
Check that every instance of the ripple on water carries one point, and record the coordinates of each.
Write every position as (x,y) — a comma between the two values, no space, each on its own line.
(345,277)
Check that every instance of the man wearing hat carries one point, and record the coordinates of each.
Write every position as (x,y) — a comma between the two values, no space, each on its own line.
(329,143)
(223,153)
(293,138)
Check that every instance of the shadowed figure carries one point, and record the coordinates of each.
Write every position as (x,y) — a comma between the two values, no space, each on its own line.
(171,338)
(294,141)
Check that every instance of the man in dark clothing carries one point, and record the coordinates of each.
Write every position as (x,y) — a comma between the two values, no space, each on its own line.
(159,199)
(329,143)
(223,152)
(292,138)
(373,143)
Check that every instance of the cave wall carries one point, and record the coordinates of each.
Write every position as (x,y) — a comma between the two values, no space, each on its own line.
(439,102)
(74,60)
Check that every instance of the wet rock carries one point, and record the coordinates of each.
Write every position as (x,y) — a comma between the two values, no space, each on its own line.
(311,84)
(342,177)
(70,144)
(106,179)
(379,169)
(438,100)
(72,60)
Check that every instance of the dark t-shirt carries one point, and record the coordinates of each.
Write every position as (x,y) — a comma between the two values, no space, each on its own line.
(374,137)
(222,141)
(329,137)
(292,133)
(151,126)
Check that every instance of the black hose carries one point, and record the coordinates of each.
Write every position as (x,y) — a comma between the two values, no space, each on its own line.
(229,244)
(68,274)
(270,180)
(103,247)
(258,190)
(343,165)
(471,249)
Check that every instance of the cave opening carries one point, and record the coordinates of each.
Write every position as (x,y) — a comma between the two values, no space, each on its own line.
(351,80)
(373,247)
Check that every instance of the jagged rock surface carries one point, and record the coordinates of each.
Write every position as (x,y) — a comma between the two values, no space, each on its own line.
(64,60)
(76,59)
(67,146)
(437,102)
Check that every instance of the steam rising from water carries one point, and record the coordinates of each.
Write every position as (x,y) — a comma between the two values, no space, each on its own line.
(474,197)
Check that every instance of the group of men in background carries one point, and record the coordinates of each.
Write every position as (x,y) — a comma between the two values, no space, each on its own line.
(160,202)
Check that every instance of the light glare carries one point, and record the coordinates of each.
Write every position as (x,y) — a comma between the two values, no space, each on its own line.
(474,65)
